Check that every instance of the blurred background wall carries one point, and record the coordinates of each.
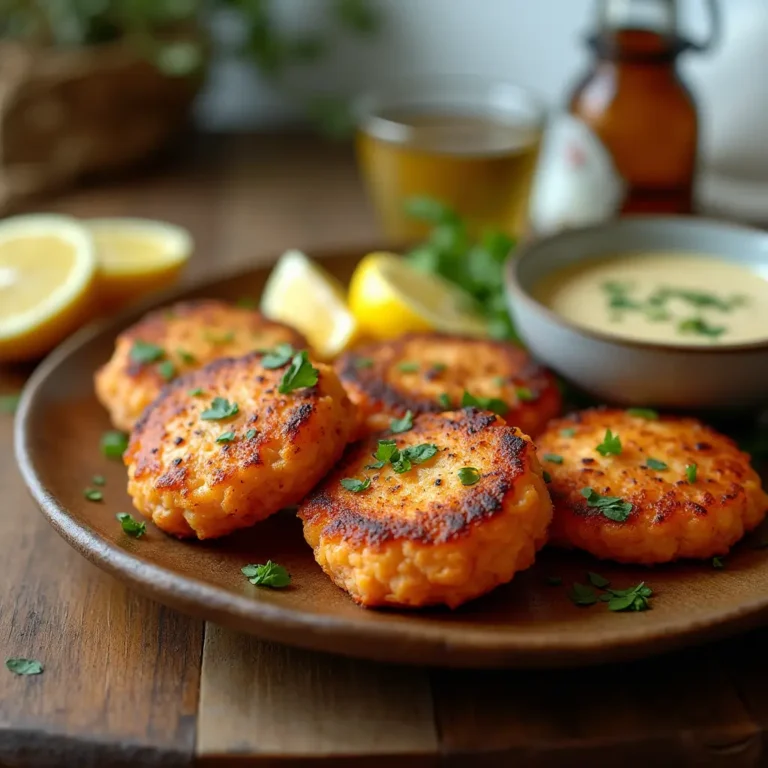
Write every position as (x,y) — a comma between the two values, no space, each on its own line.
(538,43)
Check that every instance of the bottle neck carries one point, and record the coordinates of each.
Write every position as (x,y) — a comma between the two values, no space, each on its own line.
(660,16)
(637,47)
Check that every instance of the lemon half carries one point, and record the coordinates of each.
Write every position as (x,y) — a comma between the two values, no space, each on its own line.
(389,297)
(47,281)
(136,257)
(303,295)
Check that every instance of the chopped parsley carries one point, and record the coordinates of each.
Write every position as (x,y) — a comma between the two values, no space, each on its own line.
(186,357)
(250,434)
(596,580)
(700,327)
(691,471)
(402,425)
(387,452)
(631,599)
(220,409)
(659,466)
(196,392)
(355,485)
(436,368)
(114,444)
(568,432)
(485,403)
(145,352)
(407,366)
(268,575)
(553,458)
(547,477)
(611,445)
(131,526)
(24,667)
(554,581)
(167,370)
(643,413)
(525,395)
(444,400)
(93,494)
(278,356)
(300,374)
(718,562)
(9,403)
(612,507)
(582,595)
(363,362)
(469,475)
(226,437)
(98,480)
(225,338)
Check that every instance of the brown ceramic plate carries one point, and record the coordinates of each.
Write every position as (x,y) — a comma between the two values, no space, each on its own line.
(522,624)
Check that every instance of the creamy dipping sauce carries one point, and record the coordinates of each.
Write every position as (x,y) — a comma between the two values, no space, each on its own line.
(662,297)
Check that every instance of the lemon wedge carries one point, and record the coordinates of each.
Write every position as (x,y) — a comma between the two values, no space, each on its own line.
(136,257)
(389,297)
(303,295)
(47,283)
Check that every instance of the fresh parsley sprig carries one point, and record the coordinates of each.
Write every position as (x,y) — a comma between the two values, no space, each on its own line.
(611,445)
(268,575)
(300,374)
(612,507)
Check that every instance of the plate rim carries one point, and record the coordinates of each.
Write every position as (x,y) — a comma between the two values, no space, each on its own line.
(404,642)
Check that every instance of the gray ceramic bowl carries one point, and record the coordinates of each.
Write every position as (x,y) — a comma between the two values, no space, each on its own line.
(631,372)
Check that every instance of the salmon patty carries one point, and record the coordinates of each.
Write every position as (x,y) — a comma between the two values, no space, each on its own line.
(223,447)
(636,488)
(438,514)
(432,373)
(173,341)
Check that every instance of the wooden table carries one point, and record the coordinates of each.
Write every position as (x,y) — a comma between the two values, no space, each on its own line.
(129,683)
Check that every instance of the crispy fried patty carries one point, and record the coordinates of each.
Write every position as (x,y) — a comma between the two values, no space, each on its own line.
(675,512)
(189,335)
(423,537)
(196,476)
(430,372)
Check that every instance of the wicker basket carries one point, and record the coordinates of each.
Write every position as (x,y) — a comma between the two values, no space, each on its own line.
(67,113)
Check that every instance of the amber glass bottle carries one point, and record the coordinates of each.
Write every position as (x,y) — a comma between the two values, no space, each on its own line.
(635,101)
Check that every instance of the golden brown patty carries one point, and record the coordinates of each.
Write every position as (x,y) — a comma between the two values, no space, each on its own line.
(204,477)
(186,336)
(430,372)
(422,536)
(664,510)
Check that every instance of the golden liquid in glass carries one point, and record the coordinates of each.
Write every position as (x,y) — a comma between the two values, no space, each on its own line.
(479,165)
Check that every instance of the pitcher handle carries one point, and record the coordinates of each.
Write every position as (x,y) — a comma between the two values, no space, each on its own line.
(715,29)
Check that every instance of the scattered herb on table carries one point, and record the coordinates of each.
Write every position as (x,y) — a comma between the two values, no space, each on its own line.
(691,472)
(99,480)
(632,599)
(114,444)
(611,445)
(612,507)
(554,581)
(93,494)
(24,667)
(596,580)
(718,562)
(469,475)
(268,575)
(145,352)
(355,485)
(131,526)
(553,458)
(643,413)
(582,595)
(278,356)
(9,403)
(300,374)
(220,409)
(659,466)
(492,404)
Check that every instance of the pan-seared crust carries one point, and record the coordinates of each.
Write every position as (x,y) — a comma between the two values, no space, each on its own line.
(671,517)
(422,537)
(190,334)
(280,446)
(429,372)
